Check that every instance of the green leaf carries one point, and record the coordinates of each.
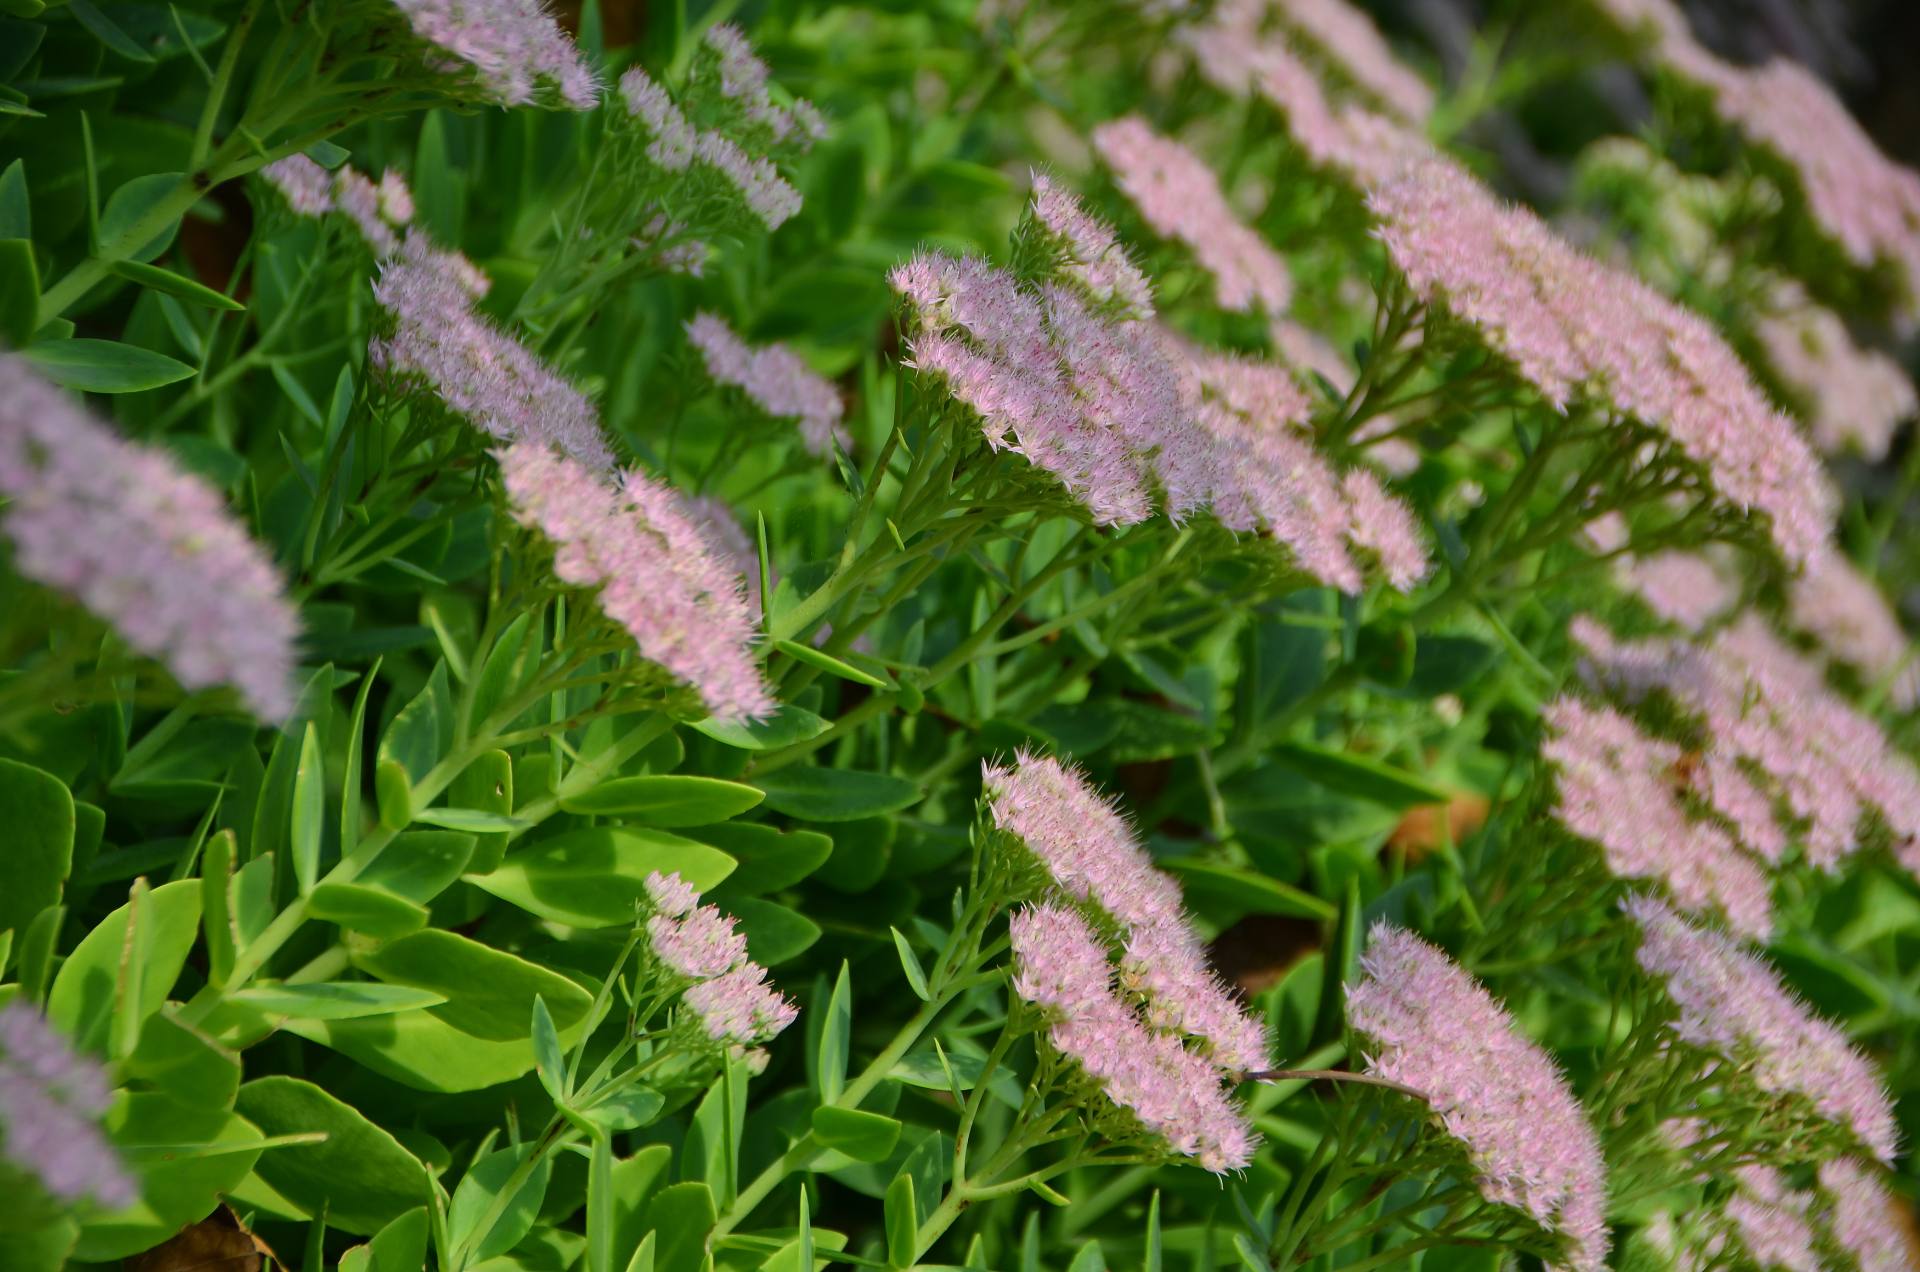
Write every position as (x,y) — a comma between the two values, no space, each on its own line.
(665,800)
(493,1176)
(489,992)
(104,366)
(830,1068)
(681,1216)
(309,811)
(19,290)
(108,32)
(629,1108)
(472,820)
(421,1050)
(910,964)
(831,795)
(1153,1260)
(175,1190)
(16,208)
(39,821)
(600,1206)
(786,726)
(359,1175)
(422,732)
(370,910)
(356,760)
(393,792)
(216,905)
(420,864)
(123,1031)
(863,1136)
(401,1246)
(172,284)
(592,877)
(775,934)
(81,1003)
(1237,892)
(903,1222)
(829,664)
(506,670)
(1342,966)
(769,858)
(131,204)
(1359,776)
(548,1061)
(334,1000)
(486,785)
(183,1062)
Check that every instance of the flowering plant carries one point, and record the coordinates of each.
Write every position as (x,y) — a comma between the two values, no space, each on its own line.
(700,638)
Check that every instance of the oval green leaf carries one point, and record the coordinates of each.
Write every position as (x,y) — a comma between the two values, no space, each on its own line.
(591,878)
(670,799)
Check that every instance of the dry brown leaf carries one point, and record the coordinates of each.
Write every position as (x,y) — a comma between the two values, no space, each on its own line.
(218,1243)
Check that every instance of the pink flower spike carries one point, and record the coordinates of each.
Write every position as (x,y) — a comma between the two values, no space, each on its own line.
(143,544)
(1843,610)
(657,574)
(776,380)
(1383,527)
(739,1007)
(307,186)
(1426,1024)
(513,50)
(1095,258)
(699,945)
(1176,1096)
(1865,1219)
(1729,1002)
(50,1099)
(1349,40)
(671,895)
(1181,199)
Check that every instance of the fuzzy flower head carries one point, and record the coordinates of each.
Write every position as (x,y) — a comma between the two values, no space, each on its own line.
(1843,610)
(744,81)
(1687,589)
(1864,1219)
(1180,198)
(512,50)
(1618,789)
(775,379)
(1853,399)
(1580,330)
(656,573)
(698,945)
(1176,1097)
(670,894)
(1350,43)
(50,1101)
(145,545)
(734,152)
(379,212)
(738,1007)
(1426,1024)
(1092,255)
(306,186)
(1090,853)
(442,345)
(1728,1002)
(1769,1220)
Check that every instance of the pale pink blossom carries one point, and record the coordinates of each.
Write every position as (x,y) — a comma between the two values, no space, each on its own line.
(441,343)
(1093,256)
(513,50)
(1843,610)
(147,546)
(307,187)
(655,572)
(1350,42)
(672,136)
(1853,399)
(744,78)
(670,894)
(1577,329)
(775,379)
(1729,1002)
(51,1099)
(1425,1023)
(1384,529)
(1687,589)
(699,944)
(1618,788)
(1180,198)
(739,1007)
(1090,853)
(371,207)
(1864,1218)
(1769,1218)
(1177,1096)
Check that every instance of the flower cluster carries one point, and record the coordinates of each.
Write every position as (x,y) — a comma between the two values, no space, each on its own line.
(726,991)
(1688,589)
(1090,854)
(442,343)
(1863,1218)
(1575,328)
(1091,255)
(775,379)
(1769,710)
(143,544)
(1619,789)
(1175,1095)
(1349,42)
(1731,1004)
(50,1102)
(1426,1024)
(378,211)
(739,157)
(1843,610)
(1268,477)
(513,50)
(744,79)
(1180,198)
(1852,398)
(656,573)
